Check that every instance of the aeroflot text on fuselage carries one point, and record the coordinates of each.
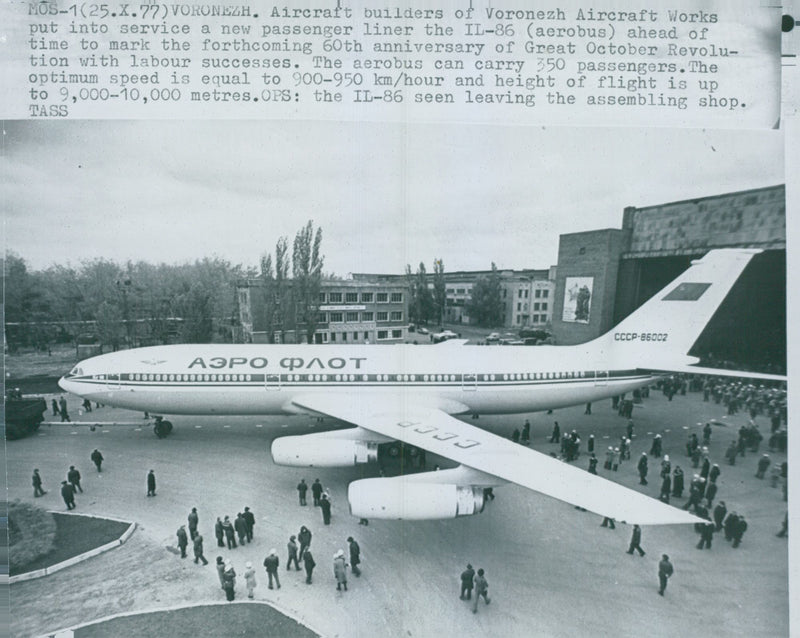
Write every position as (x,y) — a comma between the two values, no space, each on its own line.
(287,363)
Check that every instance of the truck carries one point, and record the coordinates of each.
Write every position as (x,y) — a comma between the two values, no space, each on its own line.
(23,415)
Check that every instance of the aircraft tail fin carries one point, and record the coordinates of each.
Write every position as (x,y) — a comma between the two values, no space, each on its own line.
(660,333)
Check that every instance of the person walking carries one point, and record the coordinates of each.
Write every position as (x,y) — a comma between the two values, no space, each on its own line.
(467,583)
(525,437)
(97,459)
(193,520)
(68,494)
(325,504)
(304,536)
(340,570)
(62,408)
(291,547)
(37,484)
(309,564)
(316,491)
(271,563)
(229,579)
(151,483)
(241,528)
(302,488)
(481,589)
(665,571)
(198,550)
(54,404)
(355,556)
(642,467)
(249,578)
(183,540)
(636,539)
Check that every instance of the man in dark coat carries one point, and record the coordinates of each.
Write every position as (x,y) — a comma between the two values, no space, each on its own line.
(593,464)
(151,483)
(219,532)
(714,473)
(555,437)
(183,540)
(250,522)
(467,579)
(62,407)
(193,520)
(731,521)
(355,556)
(56,411)
(304,536)
(706,534)
(227,527)
(198,549)
(642,467)
(97,459)
(677,481)
(711,492)
(241,528)
(291,548)
(308,562)
(325,504)
(719,515)
(37,484)
(68,494)
(271,563)
(738,531)
(665,571)
(302,488)
(636,539)
(763,464)
(316,491)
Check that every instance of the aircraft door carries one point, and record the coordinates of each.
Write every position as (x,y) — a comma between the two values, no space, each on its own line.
(601,377)
(469,382)
(113,381)
(272,382)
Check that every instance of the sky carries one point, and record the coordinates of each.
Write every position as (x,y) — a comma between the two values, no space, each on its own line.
(384,194)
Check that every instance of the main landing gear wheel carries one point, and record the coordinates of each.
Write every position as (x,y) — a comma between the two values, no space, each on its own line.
(162,428)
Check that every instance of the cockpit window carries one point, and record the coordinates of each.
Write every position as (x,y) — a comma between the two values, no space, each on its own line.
(76,372)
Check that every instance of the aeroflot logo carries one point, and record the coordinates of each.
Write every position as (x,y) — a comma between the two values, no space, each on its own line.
(287,363)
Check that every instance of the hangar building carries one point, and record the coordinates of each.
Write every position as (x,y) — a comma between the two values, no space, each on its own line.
(604,275)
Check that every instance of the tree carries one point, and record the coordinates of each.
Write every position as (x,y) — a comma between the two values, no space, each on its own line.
(485,306)
(439,291)
(412,295)
(307,275)
(423,297)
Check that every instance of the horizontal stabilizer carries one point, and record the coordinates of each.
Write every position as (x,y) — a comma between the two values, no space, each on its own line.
(718,372)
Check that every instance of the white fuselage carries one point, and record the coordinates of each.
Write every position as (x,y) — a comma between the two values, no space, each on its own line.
(264,379)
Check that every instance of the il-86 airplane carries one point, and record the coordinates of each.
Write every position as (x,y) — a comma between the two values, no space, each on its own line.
(413,393)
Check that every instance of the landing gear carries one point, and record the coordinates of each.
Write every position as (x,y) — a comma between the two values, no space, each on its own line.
(161,427)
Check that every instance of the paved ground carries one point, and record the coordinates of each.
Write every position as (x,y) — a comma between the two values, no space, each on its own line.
(553,571)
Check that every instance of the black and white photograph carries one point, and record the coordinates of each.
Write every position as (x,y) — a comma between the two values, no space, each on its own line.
(533,377)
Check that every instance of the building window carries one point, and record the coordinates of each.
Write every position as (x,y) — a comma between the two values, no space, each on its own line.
(367,316)
(355,336)
(545,293)
(544,306)
(352,317)
(335,297)
(526,293)
(333,336)
(366,335)
(336,317)
(366,297)
(323,317)
(397,315)
(519,307)
(538,294)
(322,297)
(397,334)
(383,334)
(537,306)
(351,297)
(325,337)
(451,291)
(504,293)
(344,336)
(383,316)
(519,293)
(382,297)
(461,291)
(397,297)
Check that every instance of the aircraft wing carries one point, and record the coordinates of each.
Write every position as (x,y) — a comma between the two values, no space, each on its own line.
(439,433)
(719,372)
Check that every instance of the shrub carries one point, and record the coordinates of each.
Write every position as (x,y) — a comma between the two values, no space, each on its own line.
(32,533)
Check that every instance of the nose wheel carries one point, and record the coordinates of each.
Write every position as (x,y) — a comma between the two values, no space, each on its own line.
(161,427)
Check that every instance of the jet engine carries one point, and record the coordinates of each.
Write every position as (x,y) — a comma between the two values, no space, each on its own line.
(397,498)
(318,451)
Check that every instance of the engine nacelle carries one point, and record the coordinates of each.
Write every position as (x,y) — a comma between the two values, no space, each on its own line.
(300,451)
(396,498)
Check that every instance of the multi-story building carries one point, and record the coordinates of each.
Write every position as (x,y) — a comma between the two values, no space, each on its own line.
(349,312)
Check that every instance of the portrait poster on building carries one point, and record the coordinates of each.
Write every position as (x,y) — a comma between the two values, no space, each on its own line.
(578,299)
